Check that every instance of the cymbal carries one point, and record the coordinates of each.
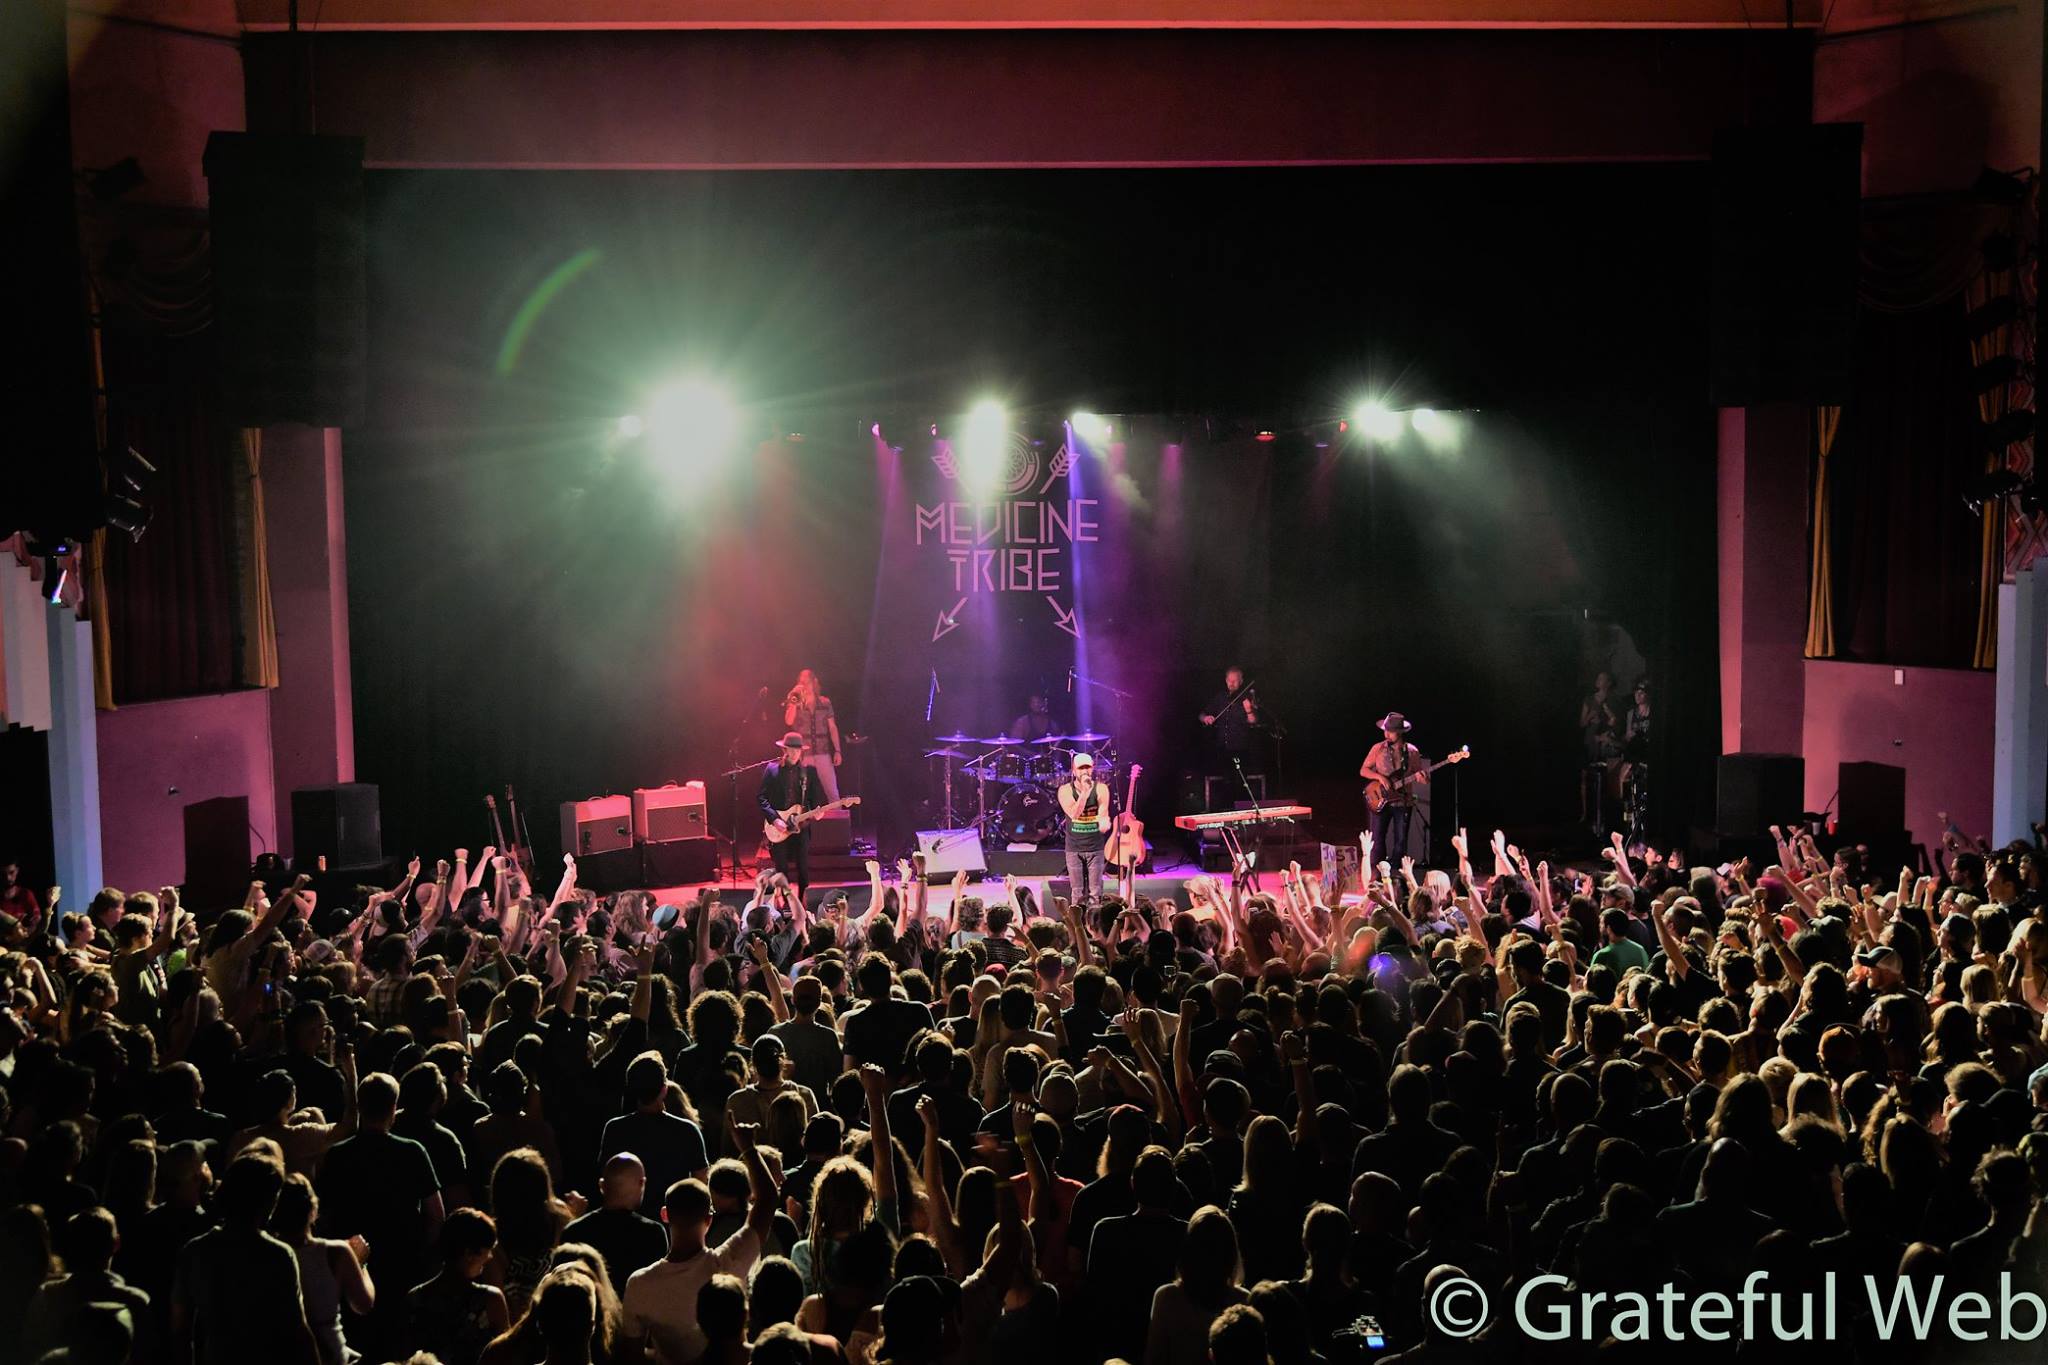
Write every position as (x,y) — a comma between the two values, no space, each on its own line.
(1089,738)
(945,753)
(1048,739)
(956,738)
(1000,742)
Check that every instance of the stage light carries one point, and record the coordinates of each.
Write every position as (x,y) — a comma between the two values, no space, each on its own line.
(1991,487)
(1439,431)
(1265,436)
(1378,421)
(630,426)
(692,424)
(984,447)
(1091,428)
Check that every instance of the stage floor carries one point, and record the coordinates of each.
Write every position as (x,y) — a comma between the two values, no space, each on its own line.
(1163,877)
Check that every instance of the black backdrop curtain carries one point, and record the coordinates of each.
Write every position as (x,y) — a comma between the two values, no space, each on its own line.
(1905,549)
(171,596)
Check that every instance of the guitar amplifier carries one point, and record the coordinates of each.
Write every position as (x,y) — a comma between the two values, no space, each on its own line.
(602,824)
(663,814)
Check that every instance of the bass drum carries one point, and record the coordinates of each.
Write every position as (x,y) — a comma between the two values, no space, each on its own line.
(1028,815)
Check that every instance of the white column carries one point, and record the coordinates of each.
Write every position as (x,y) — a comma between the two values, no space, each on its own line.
(74,758)
(2019,768)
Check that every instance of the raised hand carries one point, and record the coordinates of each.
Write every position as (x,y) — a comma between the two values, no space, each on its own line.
(745,1136)
(928,1114)
(412,869)
(1293,1046)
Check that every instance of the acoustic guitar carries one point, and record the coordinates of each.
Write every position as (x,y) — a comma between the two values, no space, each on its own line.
(796,817)
(1380,790)
(1127,848)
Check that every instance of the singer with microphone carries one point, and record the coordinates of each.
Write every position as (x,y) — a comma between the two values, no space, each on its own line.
(1232,719)
(808,712)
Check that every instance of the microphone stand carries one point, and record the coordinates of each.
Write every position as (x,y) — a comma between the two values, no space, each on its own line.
(732,756)
(1231,841)
(734,774)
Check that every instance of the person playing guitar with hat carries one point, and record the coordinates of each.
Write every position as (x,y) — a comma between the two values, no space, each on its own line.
(791,784)
(1393,771)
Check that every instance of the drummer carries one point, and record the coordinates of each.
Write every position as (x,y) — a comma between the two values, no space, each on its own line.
(1036,722)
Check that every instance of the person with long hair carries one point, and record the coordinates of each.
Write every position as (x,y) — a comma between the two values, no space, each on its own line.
(331,1272)
(1208,1280)
(530,1220)
(564,1324)
(807,711)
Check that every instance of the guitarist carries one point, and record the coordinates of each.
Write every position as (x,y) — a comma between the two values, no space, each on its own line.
(1398,769)
(1086,804)
(788,782)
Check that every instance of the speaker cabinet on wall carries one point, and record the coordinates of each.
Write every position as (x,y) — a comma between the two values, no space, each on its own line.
(217,858)
(1786,203)
(1871,798)
(1755,791)
(289,290)
(340,823)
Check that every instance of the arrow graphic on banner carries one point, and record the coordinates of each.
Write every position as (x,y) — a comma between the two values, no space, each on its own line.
(1063,618)
(948,621)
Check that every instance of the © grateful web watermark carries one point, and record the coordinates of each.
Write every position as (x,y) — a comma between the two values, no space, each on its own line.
(1547,1308)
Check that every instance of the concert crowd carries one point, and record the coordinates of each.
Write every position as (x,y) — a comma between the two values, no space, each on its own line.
(486,1116)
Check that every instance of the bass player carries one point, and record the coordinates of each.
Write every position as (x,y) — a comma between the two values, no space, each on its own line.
(790,784)
(1395,769)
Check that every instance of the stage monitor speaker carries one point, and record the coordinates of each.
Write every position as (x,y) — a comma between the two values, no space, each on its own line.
(289,276)
(678,862)
(1870,799)
(217,859)
(661,814)
(603,824)
(947,851)
(339,823)
(1755,791)
(1786,203)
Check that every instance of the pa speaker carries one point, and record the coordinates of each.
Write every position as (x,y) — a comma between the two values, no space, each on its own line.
(1871,798)
(286,214)
(1786,204)
(340,823)
(1755,791)
(216,852)
(947,851)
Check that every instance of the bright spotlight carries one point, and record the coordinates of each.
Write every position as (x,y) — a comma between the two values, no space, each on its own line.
(984,446)
(1092,428)
(630,426)
(1378,421)
(692,423)
(1438,431)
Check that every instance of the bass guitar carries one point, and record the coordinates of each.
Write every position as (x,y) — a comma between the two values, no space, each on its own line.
(513,847)
(796,817)
(1126,847)
(1380,790)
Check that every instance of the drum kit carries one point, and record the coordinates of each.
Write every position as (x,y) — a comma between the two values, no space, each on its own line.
(1015,781)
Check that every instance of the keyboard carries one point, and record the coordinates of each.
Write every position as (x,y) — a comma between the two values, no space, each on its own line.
(1218,819)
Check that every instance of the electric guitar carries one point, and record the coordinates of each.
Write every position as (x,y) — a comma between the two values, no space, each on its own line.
(1126,847)
(1380,789)
(796,817)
